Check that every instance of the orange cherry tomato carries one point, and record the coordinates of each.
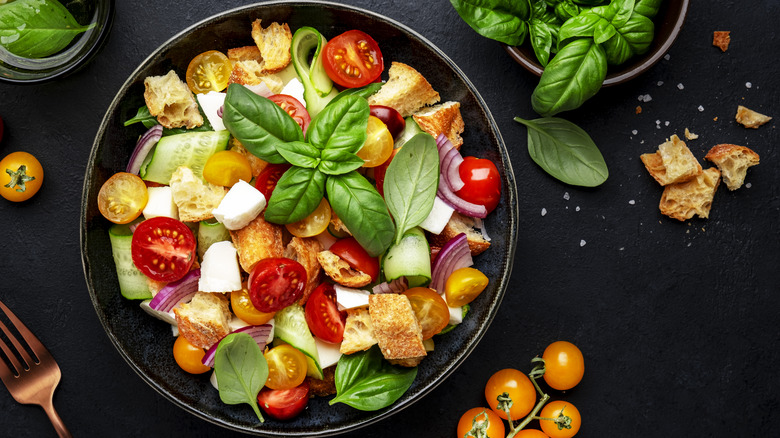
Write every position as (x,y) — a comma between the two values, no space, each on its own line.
(519,388)
(226,168)
(246,311)
(565,429)
(209,71)
(21,175)
(564,365)
(286,367)
(464,285)
(379,143)
(122,198)
(315,223)
(495,425)
(189,357)
(430,308)
(531,433)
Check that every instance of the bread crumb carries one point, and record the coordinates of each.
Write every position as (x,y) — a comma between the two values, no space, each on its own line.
(715,119)
(733,162)
(721,39)
(690,135)
(638,110)
(749,118)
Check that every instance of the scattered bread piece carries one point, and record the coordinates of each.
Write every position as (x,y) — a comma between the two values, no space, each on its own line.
(406,90)
(690,135)
(358,331)
(672,163)
(194,198)
(721,39)
(461,224)
(251,72)
(257,241)
(638,110)
(339,270)
(396,329)
(304,251)
(733,162)
(274,43)
(681,201)
(257,163)
(444,119)
(171,101)
(205,319)
(749,118)
(245,53)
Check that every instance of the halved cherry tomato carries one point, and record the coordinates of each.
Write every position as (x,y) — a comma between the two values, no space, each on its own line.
(556,409)
(246,311)
(315,223)
(284,404)
(464,285)
(286,367)
(380,172)
(353,59)
(226,168)
(275,283)
(495,425)
(122,198)
(519,388)
(430,308)
(379,143)
(564,365)
(163,248)
(294,108)
(482,182)
(209,71)
(21,176)
(323,316)
(356,256)
(269,177)
(390,117)
(189,357)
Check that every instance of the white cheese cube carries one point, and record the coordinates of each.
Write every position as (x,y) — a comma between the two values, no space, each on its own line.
(456,315)
(241,205)
(168,317)
(294,88)
(348,298)
(329,353)
(438,217)
(210,103)
(219,271)
(160,203)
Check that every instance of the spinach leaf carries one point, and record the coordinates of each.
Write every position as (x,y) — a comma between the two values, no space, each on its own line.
(500,20)
(299,153)
(411,182)
(573,76)
(338,162)
(363,211)
(241,370)
(367,382)
(565,151)
(37,28)
(298,192)
(648,8)
(341,125)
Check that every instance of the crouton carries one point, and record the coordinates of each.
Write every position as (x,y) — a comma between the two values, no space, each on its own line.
(251,72)
(194,198)
(721,39)
(672,163)
(396,329)
(205,319)
(461,224)
(339,270)
(681,201)
(258,164)
(304,251)
(170,100)
(245,53)
(406,91)
(358,331)
(733,162)
(257,241)
(274,43)
(444,119)
(749,118)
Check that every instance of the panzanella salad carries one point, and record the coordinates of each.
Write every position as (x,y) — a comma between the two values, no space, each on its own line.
(306,229)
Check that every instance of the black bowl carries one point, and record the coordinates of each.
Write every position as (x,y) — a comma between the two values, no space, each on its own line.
(146,343)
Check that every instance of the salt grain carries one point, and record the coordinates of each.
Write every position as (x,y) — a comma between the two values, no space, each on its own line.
(544,212)
(566,196)
(660,83)
(644,98)
(701,108)
(635,132)
(577,208)
(632,202)
(748,85)
(582,243)
(667,57)
(680,86)
(748,185)
(666,123)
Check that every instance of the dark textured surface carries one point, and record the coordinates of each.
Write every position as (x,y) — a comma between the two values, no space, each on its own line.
(677,321)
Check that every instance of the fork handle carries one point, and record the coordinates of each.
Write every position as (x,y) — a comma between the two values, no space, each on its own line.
(55,419)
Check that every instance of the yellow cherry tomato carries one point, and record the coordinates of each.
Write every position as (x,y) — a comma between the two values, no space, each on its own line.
(188,356)
(379,143)
(314,223)
(122,198)
(475,418)
(286,367)
(245,310)
(21,176)
(564,365)
(464,285)
(225,168)
(557,411)
(209,71)
(519,388)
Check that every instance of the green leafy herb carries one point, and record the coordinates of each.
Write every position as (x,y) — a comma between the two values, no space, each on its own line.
(341,125)
(565,151)
(648,8)
(299,153)
(37,28)
(339,162)
(298,192)
(241,370)
(363,92)
(367,382)
(144,117)
(500,20)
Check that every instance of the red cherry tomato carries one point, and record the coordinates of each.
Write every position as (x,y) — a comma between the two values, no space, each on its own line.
(482,182)
(380,172)
(294,108)
(275,283)
(390,117)
(269,177)
(284,404)
(163,248)
(357,257)
(323,316)
(353,59)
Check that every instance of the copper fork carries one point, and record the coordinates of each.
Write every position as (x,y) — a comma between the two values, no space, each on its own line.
(32,379)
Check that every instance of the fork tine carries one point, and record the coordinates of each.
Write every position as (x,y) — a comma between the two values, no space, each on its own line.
(32,341)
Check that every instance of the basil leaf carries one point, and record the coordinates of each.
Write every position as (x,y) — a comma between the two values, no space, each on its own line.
(500,20)
(339,162)
(603,31)
(638,33)
(367,382)
(566,9)
(241,370)
(623,11)
(143,116)
(298,192)
(259,124)
(37,28)
(363,211)
(541,36)
(299,154)
(411,182)
(341,125)
(565,151)
(364,92)
(648,8)
(581,26)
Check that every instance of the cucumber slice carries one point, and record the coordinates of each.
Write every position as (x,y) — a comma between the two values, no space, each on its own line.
(192,149)
(410,130)
(318,89)
(133,283)
(210,232)
(410,258)
(290,326)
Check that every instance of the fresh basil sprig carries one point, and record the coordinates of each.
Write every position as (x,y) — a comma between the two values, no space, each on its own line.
(367,382)
(37,28)
(241,370)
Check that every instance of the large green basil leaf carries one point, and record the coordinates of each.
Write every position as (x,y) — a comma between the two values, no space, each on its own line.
(411,182)
(299,153)
(298,192)
(339,162)
(341,125)
(617,50)
(363,211)
(581,26)
(566,9)
(542,40)
(623,10)
(565,151)
(648,8)
(367,382)
(638,33)
(603,31)
(241,370)
(37,28)
(573,76)
(500,20)
(258,123)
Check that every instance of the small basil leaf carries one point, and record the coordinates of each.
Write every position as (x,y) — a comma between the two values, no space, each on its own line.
(566,9)
(500,20)
(581,26)
(541,40)
(364,92)
(623,11)
(143,116)
(299,154)
(603,31)
(37,28)
(241,370)
(648,8)
(339,162)
(341,125)
(298,192)
(617,50)
(638,33)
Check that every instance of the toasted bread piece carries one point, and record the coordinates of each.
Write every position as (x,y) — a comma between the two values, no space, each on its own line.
(258,164)
(672,163)
(205,319)
(733,162)
(721,39)
(690,135)
(681,201)
(251,72)
(245,53)
(749,118)
(257,241)
(358,331)
(461,224)
(444,119)
(274,43)
(396,329)
(171,101)
(304,251)
(339,270)
(406,90)
(195,199)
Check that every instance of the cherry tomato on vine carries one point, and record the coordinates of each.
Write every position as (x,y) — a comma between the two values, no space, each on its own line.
(564,365)
(315,223)
(464,285)
(286,367)
(531,433)
(209,71)
(519,388)
(294,108)
(284,404)
(323,316)
(275,283)
(163,248)
(269,177)
(356,256)
(390,117)
(379,143)
(189,357)
(555,409)
(353,59)
(495,426)
(246,311)
(21,176)
(482,182)
(430,309)
(226,168)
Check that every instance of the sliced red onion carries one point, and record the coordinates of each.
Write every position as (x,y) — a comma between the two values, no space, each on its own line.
(142,148)
(176,292)
(482,229)
(220,111)
(450,159)
(460,204)
(455,254)
(260,89)
(394,287)
(260,333)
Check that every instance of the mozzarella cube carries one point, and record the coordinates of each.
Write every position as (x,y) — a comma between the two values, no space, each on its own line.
(348,298)
(329,353)
(438,217)
(219,271)
(456,315)
(168,317)
(210,103)
(241,205)
(160,203)
(294,88)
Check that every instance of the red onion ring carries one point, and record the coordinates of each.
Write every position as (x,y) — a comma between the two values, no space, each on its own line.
(260,333)
(176,292)
(142,148)
(450,160)
(455,254)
